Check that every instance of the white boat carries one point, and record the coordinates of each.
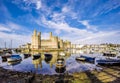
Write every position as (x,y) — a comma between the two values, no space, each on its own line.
(112,56)
(60,63)
(13,58)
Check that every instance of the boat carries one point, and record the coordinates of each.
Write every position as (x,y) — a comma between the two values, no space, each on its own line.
(107,62)
(60,63)
(109,54)
(108,59)
(86,58)
(14,63)
(36,56)
(14,57)
(7,51)
(5,56)
(80,58)
(26,55)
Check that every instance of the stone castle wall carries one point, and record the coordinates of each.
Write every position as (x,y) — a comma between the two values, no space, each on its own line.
(52,42)
(37,43)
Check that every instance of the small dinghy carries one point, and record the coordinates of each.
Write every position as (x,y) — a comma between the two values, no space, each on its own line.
(86,58)
(14,58)
(60,63)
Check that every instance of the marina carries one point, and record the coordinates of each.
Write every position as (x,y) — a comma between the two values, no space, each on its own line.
(46,64)
(55,68)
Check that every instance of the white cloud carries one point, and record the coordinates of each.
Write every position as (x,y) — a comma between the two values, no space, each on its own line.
(16,33)
(107,7)
(13,26)
(45,35)
(65,9)
(82,36)
(16,39)
(58,23)
(3,28)
(38,4)
(88,26)
(28,4)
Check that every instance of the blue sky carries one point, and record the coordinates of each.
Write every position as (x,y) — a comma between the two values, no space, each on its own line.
(80,21)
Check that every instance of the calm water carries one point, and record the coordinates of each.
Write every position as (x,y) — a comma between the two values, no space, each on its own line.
(42,66)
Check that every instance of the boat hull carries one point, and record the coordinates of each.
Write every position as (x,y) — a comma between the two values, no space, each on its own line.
(80,59)
(86,58)
(13,60)
(108,62)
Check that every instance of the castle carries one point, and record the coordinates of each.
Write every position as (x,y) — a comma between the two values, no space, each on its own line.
(52,43)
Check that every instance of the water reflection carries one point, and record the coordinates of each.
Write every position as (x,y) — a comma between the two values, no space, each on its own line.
(37,63)
(26,55)
(49,64)
(36,56)
(48,58)
(60,70)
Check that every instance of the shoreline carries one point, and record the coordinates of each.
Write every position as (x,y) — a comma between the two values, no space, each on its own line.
(107,74)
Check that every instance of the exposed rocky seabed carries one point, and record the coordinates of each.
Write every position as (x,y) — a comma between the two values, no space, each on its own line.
(109,74)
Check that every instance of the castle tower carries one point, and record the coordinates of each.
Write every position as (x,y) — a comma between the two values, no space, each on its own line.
(50,35)
(39,38)
(61,44)
(56,42)
(36,40)
(35,33)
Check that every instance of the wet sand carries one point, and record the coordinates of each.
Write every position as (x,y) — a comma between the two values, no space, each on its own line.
(109,74)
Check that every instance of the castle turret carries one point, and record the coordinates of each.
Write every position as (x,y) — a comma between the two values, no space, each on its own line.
(35,33)
(61,44)
(50,35)
(36,40)
(39,39)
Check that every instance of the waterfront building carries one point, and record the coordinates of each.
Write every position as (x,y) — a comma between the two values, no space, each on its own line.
(96,48)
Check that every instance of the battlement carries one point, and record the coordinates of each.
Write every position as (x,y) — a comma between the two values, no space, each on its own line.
(52,42)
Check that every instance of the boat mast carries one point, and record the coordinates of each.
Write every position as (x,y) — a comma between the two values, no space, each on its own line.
(11,43)
(5,45)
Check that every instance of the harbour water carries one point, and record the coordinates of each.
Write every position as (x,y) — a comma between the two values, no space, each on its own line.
(42,66)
